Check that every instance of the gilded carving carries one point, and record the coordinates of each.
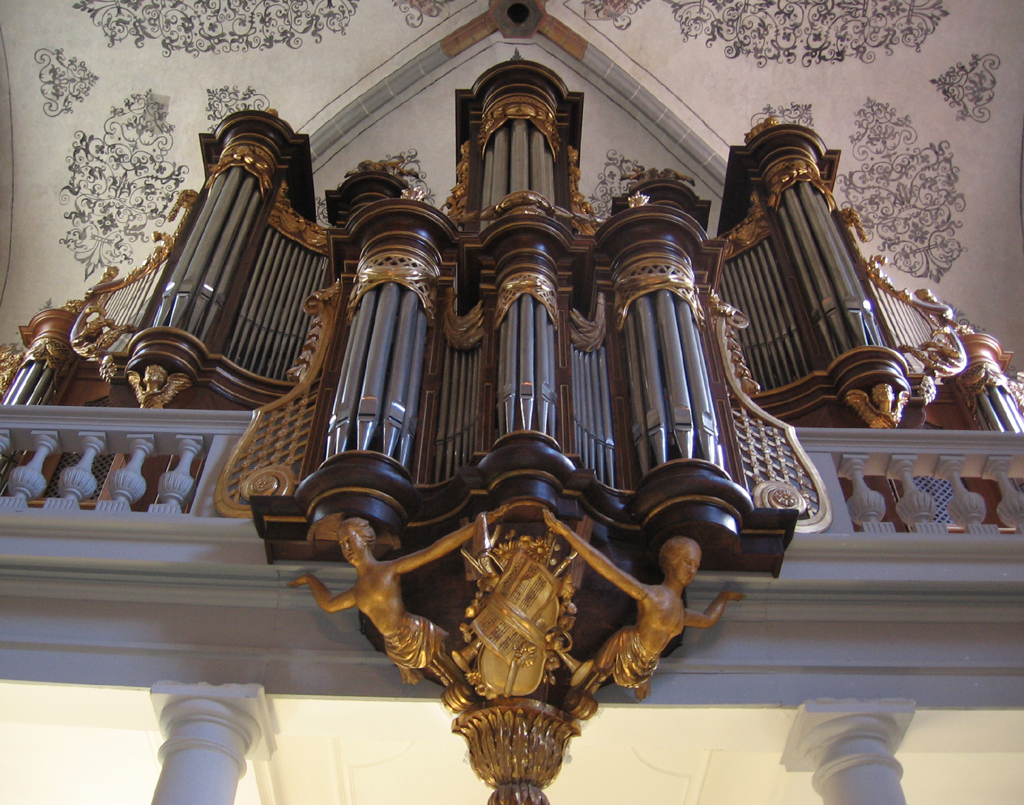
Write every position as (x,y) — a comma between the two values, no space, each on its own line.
(57,354)
(156,387)
(519,107)
(412,268)
(455,204)
(522,615)
(463,332)
(10,362)
(639,200)
(651,274)
(750,231)
(851,218)
(883,409)
(253,158)
(278,434)
(650,174)
(578,203)
(528,281)
(392,166)
(587,335)
(413,643)
(293,226)
(631,655)
(764,125)
(769,451)
(783,174)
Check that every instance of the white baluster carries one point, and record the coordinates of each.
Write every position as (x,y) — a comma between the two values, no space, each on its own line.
(5,440)
(966,508)
(916,507)
(867,507)
(27,482)
(1011,508)
(127,484)
(77,483)
(175,487)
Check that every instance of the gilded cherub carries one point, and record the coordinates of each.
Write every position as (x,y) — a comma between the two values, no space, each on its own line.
(156,388)
(411,642)
(631,655)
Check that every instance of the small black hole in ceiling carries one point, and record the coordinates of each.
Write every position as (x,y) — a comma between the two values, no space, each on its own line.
(518,13)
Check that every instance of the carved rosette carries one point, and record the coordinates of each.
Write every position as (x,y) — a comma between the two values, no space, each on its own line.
(250,157)
(785,173)
(649,274)
(776,468)
(529,281)
(516,747)
(415,268)
(519,107)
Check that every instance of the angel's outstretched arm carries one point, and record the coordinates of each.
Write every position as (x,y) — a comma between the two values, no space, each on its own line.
(322,595)
(446,544)
(597,560)
(713,612)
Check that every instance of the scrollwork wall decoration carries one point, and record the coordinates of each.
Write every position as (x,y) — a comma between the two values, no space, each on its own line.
(121,183)
(416,10)
(906,194)
(815,31)
(226,100)
(63,81)
(618,12)
(798,113)
(970,89)
(218,26)
(615,180)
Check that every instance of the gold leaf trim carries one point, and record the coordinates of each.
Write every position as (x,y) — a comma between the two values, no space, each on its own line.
(578,203)
(463,332)
(764,125)
(785,173)
(413,268)
(750,231)
(253,158)
(294,227)
(531,282)
(651,274)
(455,204)
(519,107)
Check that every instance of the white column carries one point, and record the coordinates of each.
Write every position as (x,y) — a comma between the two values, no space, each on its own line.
(210,731)
(850,746)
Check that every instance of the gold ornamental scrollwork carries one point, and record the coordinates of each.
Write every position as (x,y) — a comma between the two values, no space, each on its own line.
(943,354)
(254,159)
(785,173)
(10,362)
(578,203)
(463,332)
(455,204)
(519,107)
(274,444)
(882,409)
(412,268)
(851,218)
(587,335)
(294,226)
(750,231)
(94,332)
(55,353)
(771,456)
(532,282)
(654,274)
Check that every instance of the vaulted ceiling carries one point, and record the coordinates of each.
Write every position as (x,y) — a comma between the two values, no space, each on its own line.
(106,99)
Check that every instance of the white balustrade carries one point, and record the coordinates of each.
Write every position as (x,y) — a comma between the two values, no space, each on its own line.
(175,487)
(77,483)
(127,484)
(915,507)
(27,481)
(867,507)
(1011,508)
(967,509)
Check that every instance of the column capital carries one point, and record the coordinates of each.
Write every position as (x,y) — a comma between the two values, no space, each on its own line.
(241,708)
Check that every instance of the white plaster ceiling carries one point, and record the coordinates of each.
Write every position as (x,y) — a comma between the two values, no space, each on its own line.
(68,743)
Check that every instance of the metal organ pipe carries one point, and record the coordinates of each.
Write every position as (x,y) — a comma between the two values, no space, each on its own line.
(377,364)
(519,175)
(351,374)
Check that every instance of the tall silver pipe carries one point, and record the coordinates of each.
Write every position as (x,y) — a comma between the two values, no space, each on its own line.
(773,306)
(604,392)
(443,440)
(499,180)
(675,374)
(487,186)
(374,377)
(636,400)
(295,325)
(527,352)
(264,330)
(587,412)
(230,200)
(347,396)
(519,174)
(24,383)
(545,372)
(461,381)
(541,165)
(412,394)
(576,412)
(248,307)
(285,309)
(802,362)
(223,273)
(395,410)
(654,390)
(474,411)
(769,344)
(257,292)
(989,413)
(40,391)
(595,413)
(704,421)
(171,288)
(818,315)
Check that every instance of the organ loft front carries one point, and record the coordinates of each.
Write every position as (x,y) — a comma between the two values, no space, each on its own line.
(525,426)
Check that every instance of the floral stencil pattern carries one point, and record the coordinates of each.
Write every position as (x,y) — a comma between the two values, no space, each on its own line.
(226,100)
(416,10)
(970,89)
(906,194)
(815,31)
(613,181)
(121,182)
(218,26)
(64,81)
(799,113)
